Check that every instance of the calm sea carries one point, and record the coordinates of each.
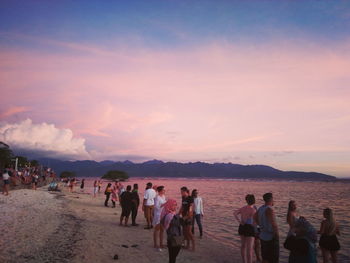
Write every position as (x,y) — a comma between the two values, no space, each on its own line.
(222,197)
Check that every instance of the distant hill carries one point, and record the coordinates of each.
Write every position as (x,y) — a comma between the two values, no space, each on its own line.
(156,168)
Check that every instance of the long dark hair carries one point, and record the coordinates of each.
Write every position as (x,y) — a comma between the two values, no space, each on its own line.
(194,192)
(291,208)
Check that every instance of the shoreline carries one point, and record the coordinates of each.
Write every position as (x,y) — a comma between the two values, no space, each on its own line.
(80,229)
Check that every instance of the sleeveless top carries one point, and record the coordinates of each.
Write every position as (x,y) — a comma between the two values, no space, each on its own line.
(266,229)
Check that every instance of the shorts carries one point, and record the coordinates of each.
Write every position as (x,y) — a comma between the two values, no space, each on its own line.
(186,222)
(270,250)
(246,230)
(6,181)
(148,211)
(330,243)
(126,211)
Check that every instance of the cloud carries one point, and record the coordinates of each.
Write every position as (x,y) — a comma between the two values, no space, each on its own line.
(13,110)
(42,140)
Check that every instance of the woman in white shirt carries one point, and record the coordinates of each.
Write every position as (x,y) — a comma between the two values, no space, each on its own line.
(159,202)
(198,211)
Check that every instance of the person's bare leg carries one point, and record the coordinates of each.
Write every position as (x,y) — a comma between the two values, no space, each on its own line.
(190,237)
(334,256)
(121,220)
(249,249)
(161,231)
(151,217)
(243,254)
(155,235)
(257,249)
(126,220)
(148,217)
(187,242)
(325,255)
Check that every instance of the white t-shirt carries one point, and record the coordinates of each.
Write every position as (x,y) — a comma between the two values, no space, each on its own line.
(198,206)
(158,202)
(150,194)
(5,176)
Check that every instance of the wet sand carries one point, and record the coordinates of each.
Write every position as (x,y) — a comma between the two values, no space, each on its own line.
(39,226)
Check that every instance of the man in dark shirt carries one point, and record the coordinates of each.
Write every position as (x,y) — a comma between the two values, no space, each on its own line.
(126,203)
(186,212)
(135,204)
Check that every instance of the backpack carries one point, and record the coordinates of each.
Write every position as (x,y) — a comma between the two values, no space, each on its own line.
(175,237)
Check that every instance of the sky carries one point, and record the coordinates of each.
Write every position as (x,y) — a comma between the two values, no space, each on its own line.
(249,82)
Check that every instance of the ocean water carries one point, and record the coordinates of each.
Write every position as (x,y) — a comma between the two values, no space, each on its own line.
(222,197)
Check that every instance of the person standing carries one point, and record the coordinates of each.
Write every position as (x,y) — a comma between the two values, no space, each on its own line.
(126,203)
(269,235)
(159,202)
(302,242)
(148,204)
(171,223)
(198,212)
(99,186)
(292,216)
(6,179)
(135,199)
(95,188)
(114,193)
(328,241)
(246,228)
(82,185)
(35,179)
(186,213)
(108,193)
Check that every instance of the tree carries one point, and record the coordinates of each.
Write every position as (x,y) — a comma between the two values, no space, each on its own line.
(5,155)
(22,161)
(34,163)
(67,174)
(116,175)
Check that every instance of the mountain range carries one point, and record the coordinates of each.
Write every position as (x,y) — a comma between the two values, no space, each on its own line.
(156,168)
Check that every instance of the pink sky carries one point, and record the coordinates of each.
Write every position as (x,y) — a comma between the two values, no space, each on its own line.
(285,104)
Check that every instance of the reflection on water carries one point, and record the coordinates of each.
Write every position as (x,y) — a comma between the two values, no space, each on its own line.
(222,197)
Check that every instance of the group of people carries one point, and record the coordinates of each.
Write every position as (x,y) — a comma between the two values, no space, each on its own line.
(259,232)
(161,214)
(258,228)
(26,175)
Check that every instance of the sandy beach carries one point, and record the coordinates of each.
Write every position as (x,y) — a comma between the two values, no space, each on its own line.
(40,226)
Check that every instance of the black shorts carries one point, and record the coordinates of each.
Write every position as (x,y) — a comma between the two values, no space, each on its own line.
(186,222)
(270,250)
(246,230)
(330,243)
(126,211)
(6,181)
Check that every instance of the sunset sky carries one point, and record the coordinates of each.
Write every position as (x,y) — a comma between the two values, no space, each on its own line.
(249,82)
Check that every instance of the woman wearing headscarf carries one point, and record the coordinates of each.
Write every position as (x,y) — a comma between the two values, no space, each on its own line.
(171,223)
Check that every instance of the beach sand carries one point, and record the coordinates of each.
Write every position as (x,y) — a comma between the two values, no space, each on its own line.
(38,226)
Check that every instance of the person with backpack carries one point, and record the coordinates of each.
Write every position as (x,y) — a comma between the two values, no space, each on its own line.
(171,223)
(302,242)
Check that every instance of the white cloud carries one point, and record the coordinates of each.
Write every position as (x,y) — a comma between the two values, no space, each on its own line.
(43,140)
